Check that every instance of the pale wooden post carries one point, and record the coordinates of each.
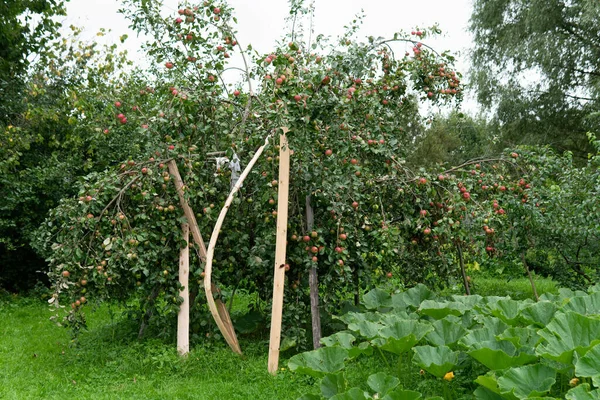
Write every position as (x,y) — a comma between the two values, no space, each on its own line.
(183,318)
(280,248)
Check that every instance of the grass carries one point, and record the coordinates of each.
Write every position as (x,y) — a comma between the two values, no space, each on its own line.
(38,360)
(517,289)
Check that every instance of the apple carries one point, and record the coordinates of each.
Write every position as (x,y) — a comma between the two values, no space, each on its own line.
(279,81)
(169,65)
(286,267)
(341,263)
(315,259)
(236,93)
(66,274)
(217,10)
(343,236)
(171,147)
(423,213)
(306,238)
(466,195)
(355,204)
(296,97)
(338,249)
(427,231)
(514,155)
(144,170)
(117,104)
(389,275)
(328,152)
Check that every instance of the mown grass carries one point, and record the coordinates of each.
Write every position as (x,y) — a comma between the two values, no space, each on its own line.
(39,361)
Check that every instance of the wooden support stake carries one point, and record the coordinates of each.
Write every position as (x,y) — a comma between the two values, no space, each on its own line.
(183,318)
(222,318)
(193,225)
(280,247)
(187,210)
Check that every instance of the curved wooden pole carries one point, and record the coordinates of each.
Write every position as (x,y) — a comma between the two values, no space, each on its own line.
(227,333)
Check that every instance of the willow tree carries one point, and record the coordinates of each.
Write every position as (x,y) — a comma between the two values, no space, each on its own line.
(535,63)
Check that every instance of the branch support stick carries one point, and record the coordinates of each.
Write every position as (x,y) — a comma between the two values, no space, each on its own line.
(183,318)
(280,251)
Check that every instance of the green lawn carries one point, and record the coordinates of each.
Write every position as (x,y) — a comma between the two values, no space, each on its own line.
(36,362)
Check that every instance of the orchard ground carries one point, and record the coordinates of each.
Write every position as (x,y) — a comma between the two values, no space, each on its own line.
(38,359)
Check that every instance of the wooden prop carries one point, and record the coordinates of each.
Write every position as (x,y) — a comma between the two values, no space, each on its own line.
(187,210)
(220,314)
(183,318)
(280,248)
(193,226)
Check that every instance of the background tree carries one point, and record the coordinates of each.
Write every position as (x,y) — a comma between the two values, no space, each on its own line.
(535,64)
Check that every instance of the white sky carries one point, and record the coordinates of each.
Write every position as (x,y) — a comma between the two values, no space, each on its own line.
(262,22)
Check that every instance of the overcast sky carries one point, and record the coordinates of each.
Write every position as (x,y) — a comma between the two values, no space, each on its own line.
(262,22)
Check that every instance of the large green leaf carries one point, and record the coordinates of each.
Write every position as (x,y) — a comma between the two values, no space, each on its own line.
(483,393)
(403,335)
(376,299)
(319,362)
(333,384)
(583,392)
(382,383)
(526,338)
(528,381)
(437,361)
(352,394)
(589,365)
(584,305)
(505,309)
(400,394)
(540,313)
(367,324)
(445,333)
(413,297)
(345,340)
(441,309)
(485,334)
(566,333)
(498,355)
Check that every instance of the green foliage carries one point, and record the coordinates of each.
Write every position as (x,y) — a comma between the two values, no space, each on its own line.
(508,360)
(534,61)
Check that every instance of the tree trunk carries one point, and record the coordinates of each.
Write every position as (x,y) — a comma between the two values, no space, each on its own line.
(461,261)
(537,298)
(313,282)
